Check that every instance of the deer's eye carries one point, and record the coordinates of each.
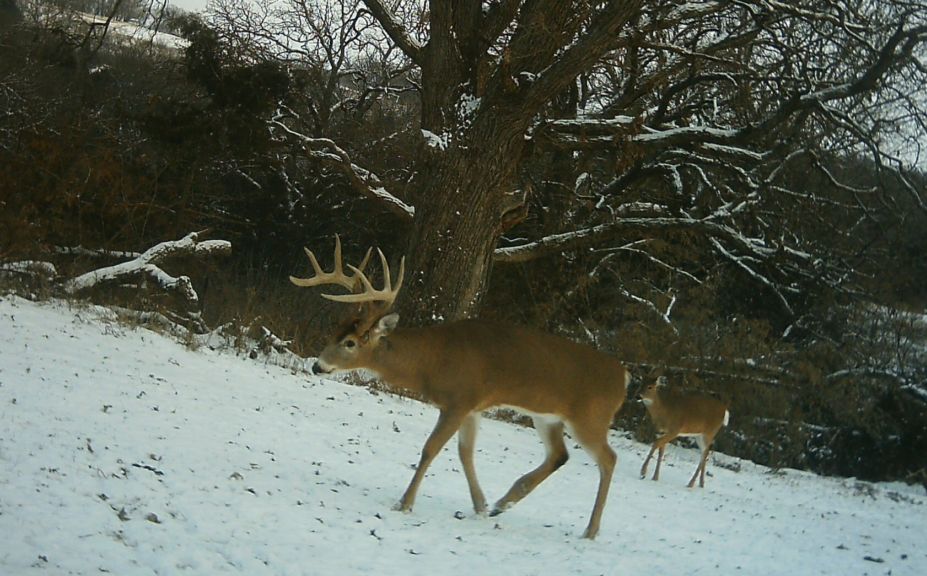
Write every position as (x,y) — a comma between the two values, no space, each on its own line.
(350,343)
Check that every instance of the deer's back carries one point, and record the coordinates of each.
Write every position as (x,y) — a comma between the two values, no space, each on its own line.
(688,412)
(525,368)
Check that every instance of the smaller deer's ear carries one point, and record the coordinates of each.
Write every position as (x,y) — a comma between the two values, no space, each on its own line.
(661,381)
(386,325)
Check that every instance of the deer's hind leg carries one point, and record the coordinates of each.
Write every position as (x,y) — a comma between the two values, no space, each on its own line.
(551,432)
(704,444)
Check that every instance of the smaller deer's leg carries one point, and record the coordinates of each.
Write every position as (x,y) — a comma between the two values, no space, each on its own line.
(660,445)
(701,477)
(448,423)
(653,449)
(551,432)
(466,439)
(660,451)
(704,445)
(701,481)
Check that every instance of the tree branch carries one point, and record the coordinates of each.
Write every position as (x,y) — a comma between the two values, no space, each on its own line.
(147,264)
(582,54)
(595,235)
(363,180)
(396,31)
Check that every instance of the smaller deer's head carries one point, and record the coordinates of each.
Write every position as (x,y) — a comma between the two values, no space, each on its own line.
(650,392)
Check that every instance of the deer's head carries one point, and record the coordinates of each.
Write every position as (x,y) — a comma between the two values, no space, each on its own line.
(356,342)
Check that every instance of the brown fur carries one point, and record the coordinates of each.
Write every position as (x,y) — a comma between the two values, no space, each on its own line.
(676,413)
(466,367)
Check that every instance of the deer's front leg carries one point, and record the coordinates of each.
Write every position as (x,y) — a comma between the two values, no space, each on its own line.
(448,422)
(466,440)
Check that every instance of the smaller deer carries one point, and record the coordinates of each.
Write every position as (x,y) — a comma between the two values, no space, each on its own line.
(679,413)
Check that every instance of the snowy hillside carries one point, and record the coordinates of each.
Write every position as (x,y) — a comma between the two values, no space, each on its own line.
(123,452)
(130,32)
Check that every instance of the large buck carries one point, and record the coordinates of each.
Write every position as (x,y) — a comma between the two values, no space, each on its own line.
(678,413)
(468,366)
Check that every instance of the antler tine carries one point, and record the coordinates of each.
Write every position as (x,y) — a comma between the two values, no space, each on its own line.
(336,276)
(363,264)
(370,294)
(314,262)
(402,274)
(338,269)
(387,281)
(339,260)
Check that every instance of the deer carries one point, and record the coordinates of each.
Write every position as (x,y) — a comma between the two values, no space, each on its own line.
(677,413)
(468,366)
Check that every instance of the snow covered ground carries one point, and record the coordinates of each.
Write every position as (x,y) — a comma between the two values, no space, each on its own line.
(124,452)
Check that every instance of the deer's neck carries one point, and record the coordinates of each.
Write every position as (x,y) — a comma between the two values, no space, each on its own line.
(409,358)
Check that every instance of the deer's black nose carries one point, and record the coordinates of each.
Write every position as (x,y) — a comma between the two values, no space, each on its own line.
(317,368)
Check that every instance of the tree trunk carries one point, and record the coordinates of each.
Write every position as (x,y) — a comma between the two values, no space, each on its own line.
(449,254)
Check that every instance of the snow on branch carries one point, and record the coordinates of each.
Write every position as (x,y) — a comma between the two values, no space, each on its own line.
(590,133)
(395,29)
(906,39)
(917,390)
(631,248)
(867,371)
(91,253)
(920,392)
(742,370)
(596,40)
(909,186)
(597,133)
(741,262)
(364,181)
(147,264)
(900,46)
(664,316)
(590,236)
(593,131)
(33,268)
(691,10)
(820,14)
(748,254)
(683,134)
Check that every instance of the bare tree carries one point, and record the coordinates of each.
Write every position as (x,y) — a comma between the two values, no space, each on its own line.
(691,118)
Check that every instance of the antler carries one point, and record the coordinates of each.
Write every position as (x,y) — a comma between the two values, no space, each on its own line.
(337,275)
(370,294)
(358,280)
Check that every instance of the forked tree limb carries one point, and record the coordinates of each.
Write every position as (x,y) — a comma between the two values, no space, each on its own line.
(362,180)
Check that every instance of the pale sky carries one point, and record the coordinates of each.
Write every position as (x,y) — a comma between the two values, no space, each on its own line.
(190,5)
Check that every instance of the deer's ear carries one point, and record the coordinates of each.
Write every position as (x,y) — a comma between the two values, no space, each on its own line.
(661,381)
(386,325)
